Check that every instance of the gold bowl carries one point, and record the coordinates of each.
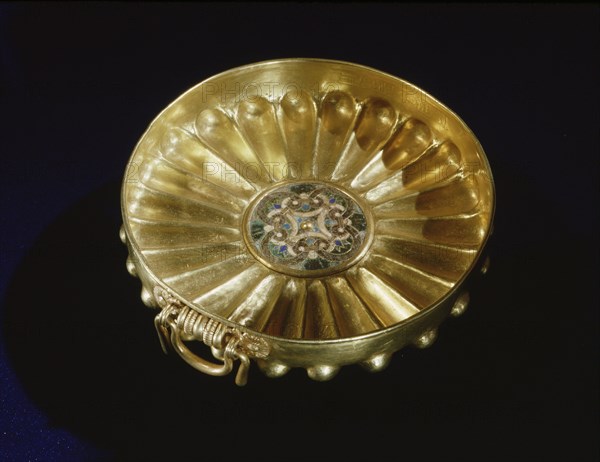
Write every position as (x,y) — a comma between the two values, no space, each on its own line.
(304,213)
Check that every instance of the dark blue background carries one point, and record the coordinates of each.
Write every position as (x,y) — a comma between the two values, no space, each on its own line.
(82,376)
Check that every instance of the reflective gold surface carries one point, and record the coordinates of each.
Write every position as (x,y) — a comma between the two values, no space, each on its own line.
(414,168)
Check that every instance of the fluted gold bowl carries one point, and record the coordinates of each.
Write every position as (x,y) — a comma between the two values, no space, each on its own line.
(304,213)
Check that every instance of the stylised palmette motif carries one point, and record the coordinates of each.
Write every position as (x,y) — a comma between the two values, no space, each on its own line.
(308,226)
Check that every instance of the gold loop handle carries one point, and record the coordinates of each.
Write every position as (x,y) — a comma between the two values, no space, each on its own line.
(176,323)
(197,362)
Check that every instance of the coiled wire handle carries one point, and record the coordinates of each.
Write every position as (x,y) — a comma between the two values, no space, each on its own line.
(177,323)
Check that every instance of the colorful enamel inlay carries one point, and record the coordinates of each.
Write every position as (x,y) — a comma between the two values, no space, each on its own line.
(306,227)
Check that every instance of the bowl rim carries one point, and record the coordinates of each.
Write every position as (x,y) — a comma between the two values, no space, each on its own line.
(458,285)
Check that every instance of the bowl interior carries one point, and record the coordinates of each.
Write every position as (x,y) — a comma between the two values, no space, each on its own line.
(308,199)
